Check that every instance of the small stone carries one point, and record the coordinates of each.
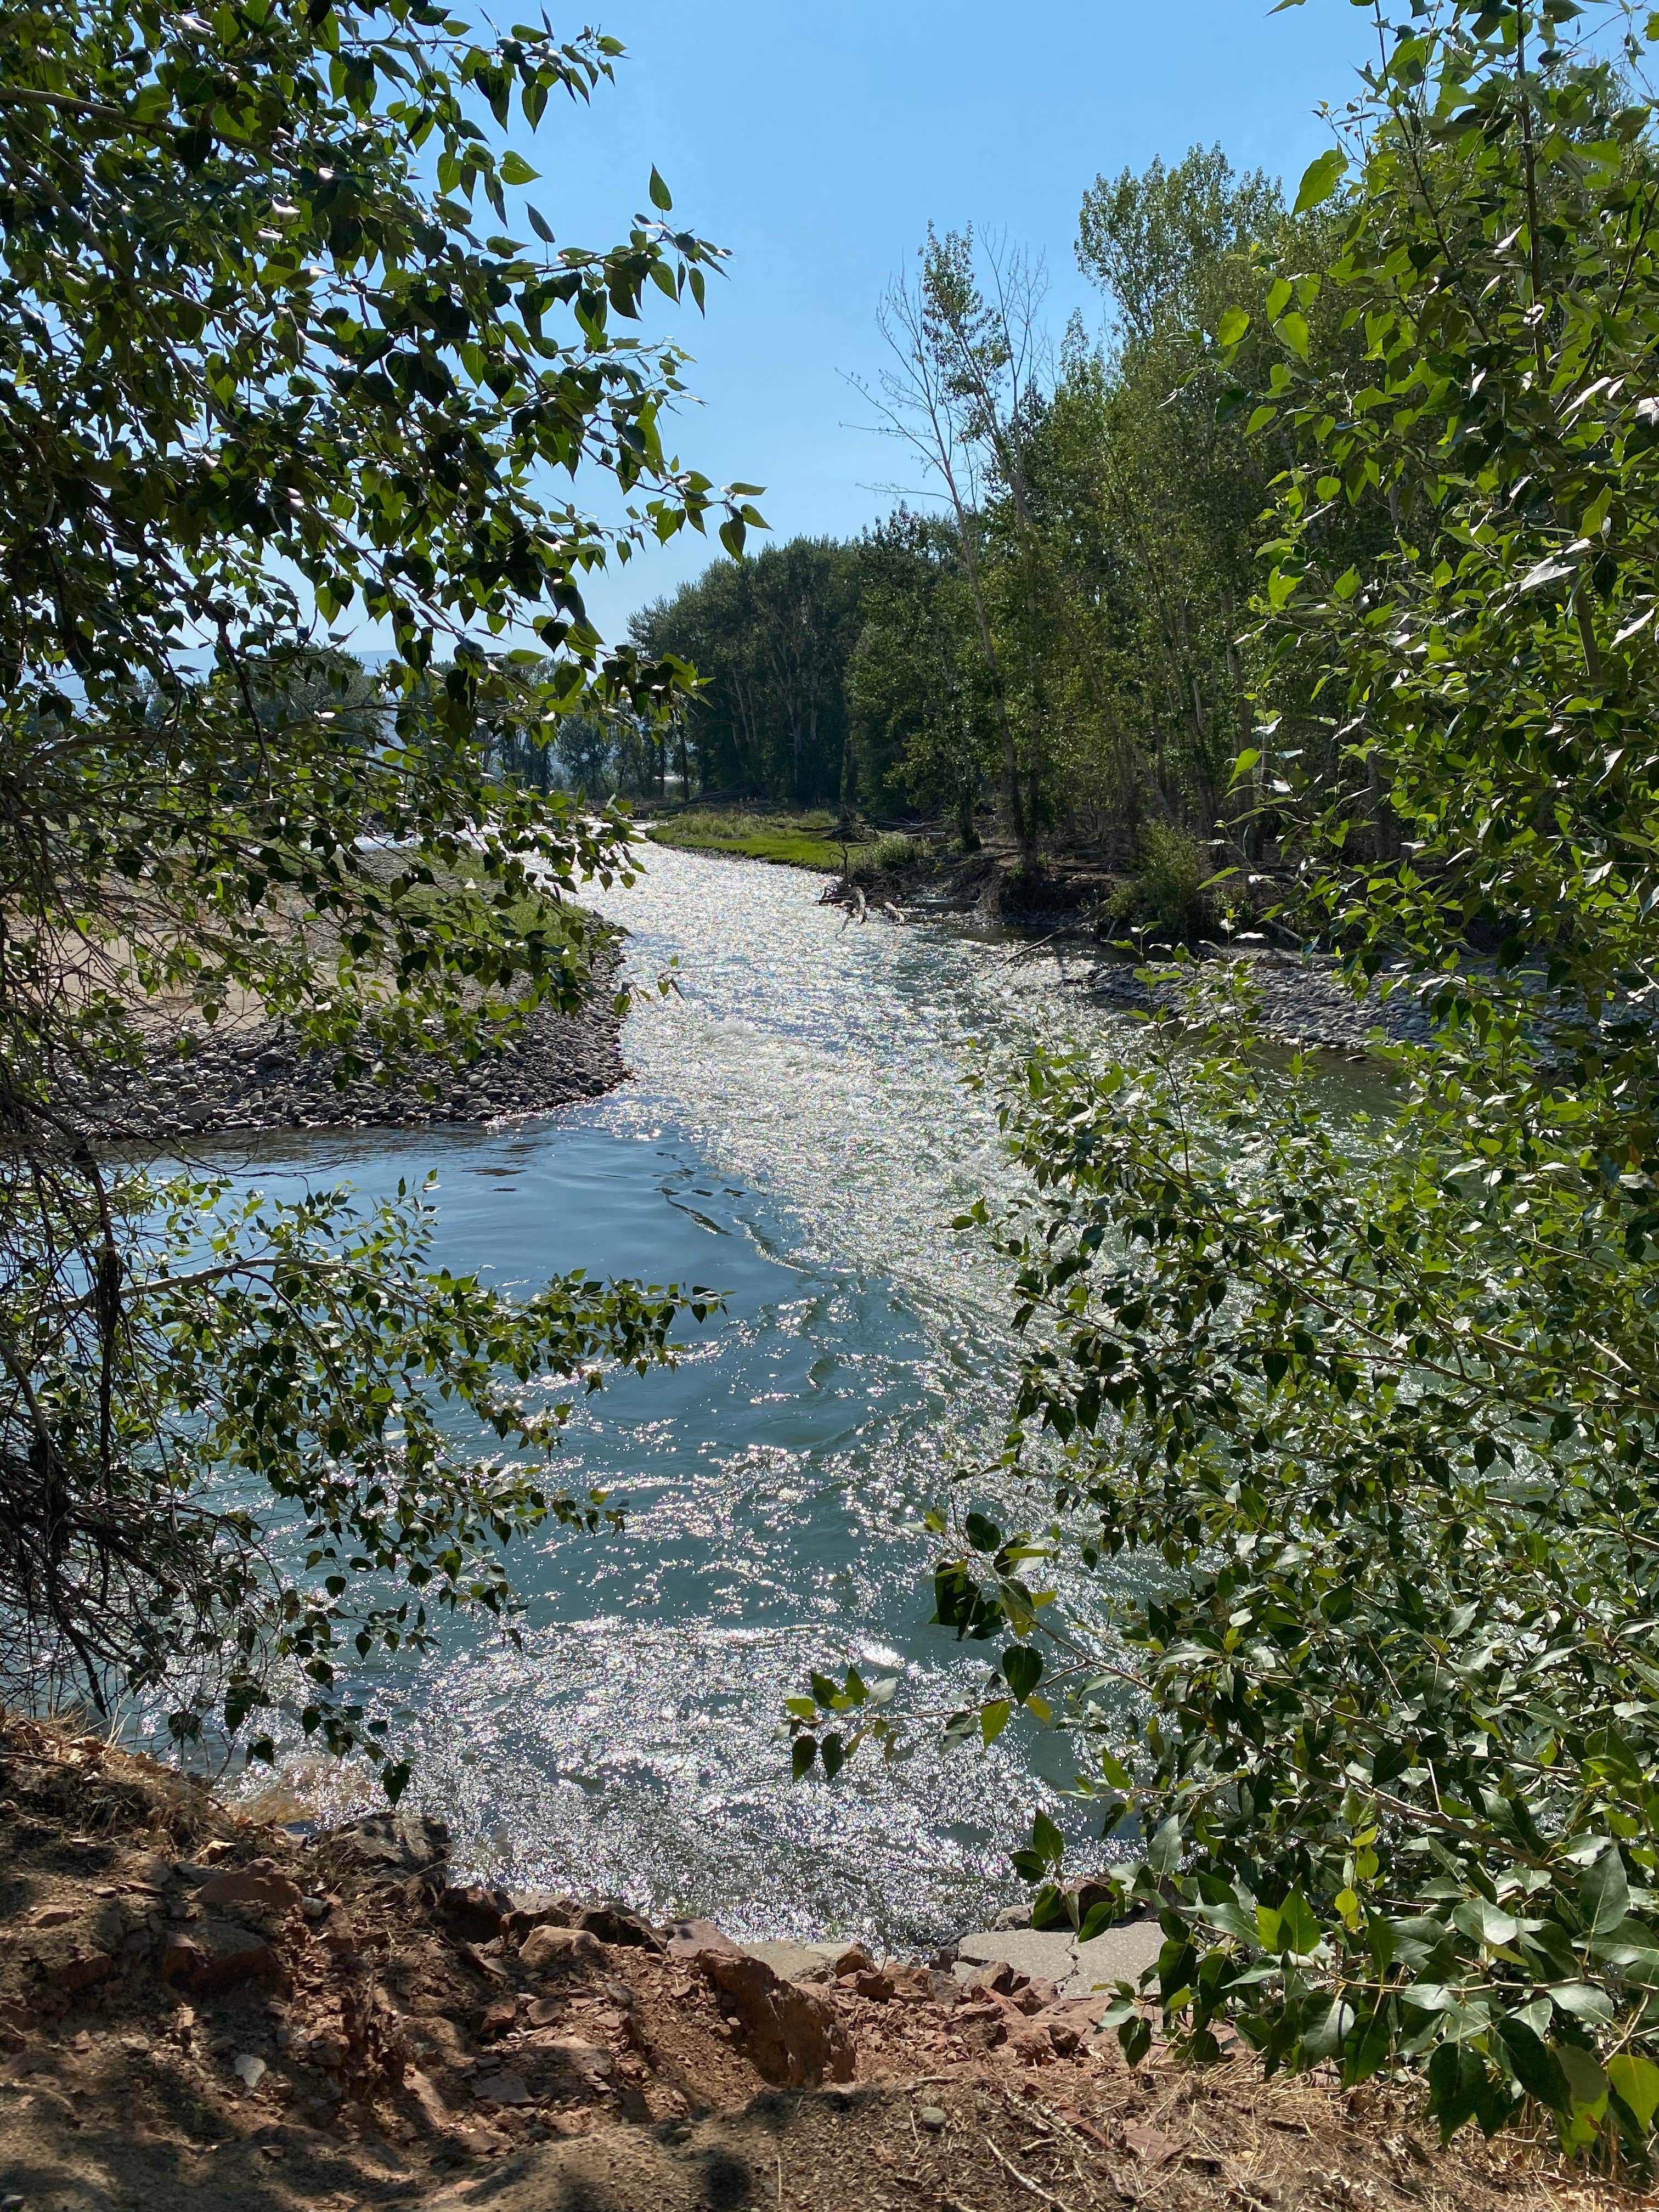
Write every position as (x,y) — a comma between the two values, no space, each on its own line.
(502,2089)
(932,2116)
(314,1908)
(252,2070)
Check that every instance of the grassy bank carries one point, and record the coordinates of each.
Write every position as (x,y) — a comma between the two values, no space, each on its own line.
(794,841)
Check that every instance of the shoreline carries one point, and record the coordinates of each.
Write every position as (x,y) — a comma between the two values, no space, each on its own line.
(252,1079)
(195,2007)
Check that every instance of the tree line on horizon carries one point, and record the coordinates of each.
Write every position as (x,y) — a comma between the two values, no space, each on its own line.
(1053,626)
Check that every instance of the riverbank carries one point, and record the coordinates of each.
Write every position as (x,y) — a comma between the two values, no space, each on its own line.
(199,2008)
(1303,998)
(790,840)
(246,1075)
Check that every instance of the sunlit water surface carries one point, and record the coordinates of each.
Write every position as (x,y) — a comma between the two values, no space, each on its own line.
(797,1135)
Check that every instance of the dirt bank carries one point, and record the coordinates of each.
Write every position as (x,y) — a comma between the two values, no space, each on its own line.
(199,2010)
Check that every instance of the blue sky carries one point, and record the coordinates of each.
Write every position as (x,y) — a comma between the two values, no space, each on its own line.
(817,141)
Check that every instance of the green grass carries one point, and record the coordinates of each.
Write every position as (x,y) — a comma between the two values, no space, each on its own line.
(795,841)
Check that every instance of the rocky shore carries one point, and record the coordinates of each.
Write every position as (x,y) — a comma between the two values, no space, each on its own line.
(250,1076)
(202,2009)
(1304,1001)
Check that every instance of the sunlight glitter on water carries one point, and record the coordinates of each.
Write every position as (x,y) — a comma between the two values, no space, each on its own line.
(798,1133)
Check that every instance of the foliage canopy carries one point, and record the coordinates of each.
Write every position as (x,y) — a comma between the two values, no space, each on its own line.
(1369,1401)
(266,367)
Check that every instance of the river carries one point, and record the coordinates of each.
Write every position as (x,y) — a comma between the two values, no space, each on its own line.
(797,1135)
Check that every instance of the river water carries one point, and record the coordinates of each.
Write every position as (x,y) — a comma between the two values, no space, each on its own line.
(797,1135)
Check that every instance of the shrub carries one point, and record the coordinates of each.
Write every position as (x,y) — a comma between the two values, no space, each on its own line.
(897,851)
(1166,895)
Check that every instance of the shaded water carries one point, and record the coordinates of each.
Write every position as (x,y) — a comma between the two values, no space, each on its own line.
(797,1135)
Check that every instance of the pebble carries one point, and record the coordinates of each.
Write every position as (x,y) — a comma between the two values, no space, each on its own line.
(259,1080)
(932,2116)
(252,2070)
(314,1908)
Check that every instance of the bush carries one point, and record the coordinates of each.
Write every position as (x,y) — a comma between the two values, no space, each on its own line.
(897,851)
(1166,895)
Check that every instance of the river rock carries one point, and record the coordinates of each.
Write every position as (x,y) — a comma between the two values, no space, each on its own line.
(689,1939)
(1042,1956)
(474,1913)
(531,1909)
(257,1077)
(1122,1954)
(393,1845)
(615,1924)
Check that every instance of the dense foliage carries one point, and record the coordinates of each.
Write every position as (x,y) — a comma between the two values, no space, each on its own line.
(265,365)
(1049,627)
(1362,1413)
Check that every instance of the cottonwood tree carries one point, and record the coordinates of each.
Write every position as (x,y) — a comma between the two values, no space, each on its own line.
(274,360)
(1356,1423)
(968,360)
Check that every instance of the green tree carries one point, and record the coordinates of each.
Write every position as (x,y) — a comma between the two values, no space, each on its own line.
(587,749)
(916,683)
(266,363)
(769,638)
(1377,1402)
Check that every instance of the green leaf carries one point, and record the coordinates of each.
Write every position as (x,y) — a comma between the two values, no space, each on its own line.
(1326,2037)
(1164,1852)
(1321,179)
(1299,1930)
(1023,1668)
(1237,1921)
(984,1535)
(801,1757)
(1604,1892)
(1233,326)
(1636,2081)
(1457,2076)
(1586,2085)
(1485,1922)
(1047,1841)
(515,170)
(992,1719)
(660,195)
(1293,329)
(1536,2068)
(1583,2002)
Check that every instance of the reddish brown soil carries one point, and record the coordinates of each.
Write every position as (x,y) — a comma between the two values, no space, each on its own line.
(401,2060)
